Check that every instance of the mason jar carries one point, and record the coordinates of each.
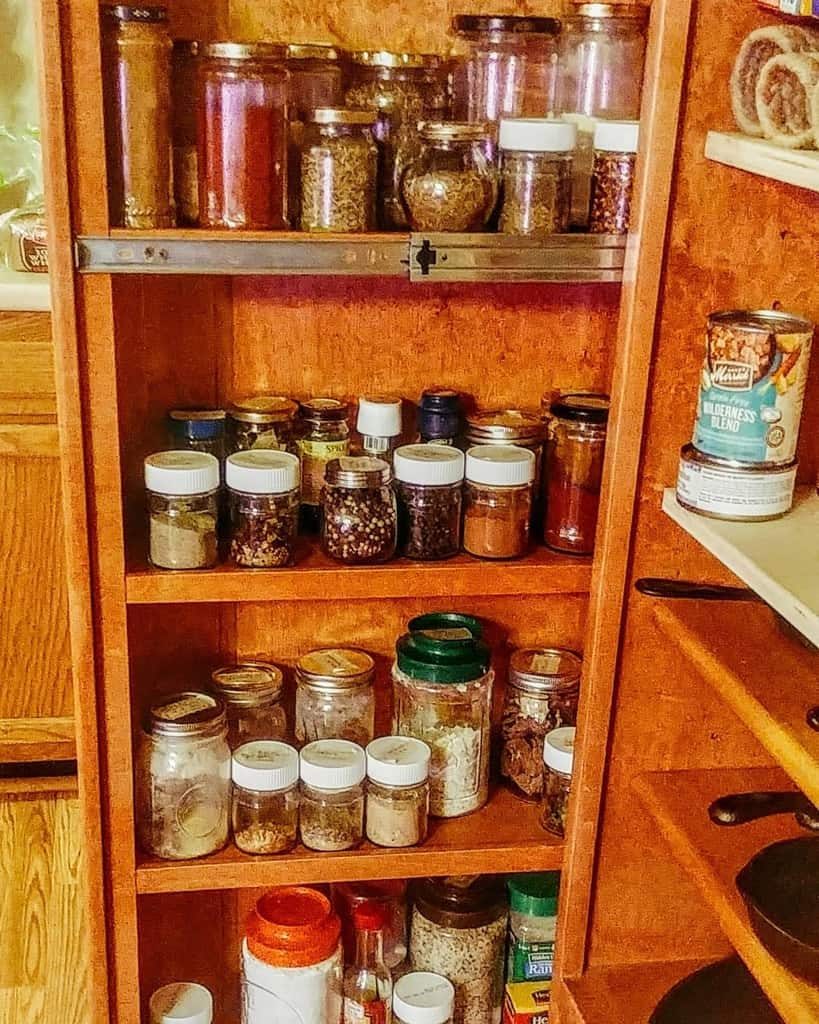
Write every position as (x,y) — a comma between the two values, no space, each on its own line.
(558,761)
(332,795)
(263,488)
(323,434)
(359,520)
(498,501)
(261,421)
(265,805)
(183,498)
(429,484)
(334,695)
(252,694)
(536,176)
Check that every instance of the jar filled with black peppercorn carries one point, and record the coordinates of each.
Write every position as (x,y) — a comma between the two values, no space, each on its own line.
(439,416)
(261,421)
(429,482)
(263,486)
(558,762)
(358,511)
(615,160)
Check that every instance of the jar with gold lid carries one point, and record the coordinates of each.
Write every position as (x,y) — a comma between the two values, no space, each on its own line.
(261,421)
(252,694)
(334,695)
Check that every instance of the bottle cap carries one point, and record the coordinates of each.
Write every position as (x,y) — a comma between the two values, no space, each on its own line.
(423,998)
(186,714)
(516,23)
(500,465)
(183,1002)
(335,668)
(617,136)
(181,473)
(512,426)
(357,471)
(443,647)
(430,464)
(534,895)
(558,750)
(320,410)
(582,407)
(263,409)
(537,135)
(262,471)
(398,761)
(333,764)
(371,916)
(379,416)
(265,766)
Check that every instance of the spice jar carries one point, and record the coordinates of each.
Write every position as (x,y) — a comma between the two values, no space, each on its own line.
(291,959)
(261,421)
(429,483)
(334,696)
(198,430)
(421,997)
(574,476)
(265,797)
(532,926)
(391,895)
(511,426)
(183,777)
(332,795)
(184,73)
(558,759)
(612,184)
(379,425)
(339,166)
(136,51)
(439,416)
(323,435)
(498,500)
(263,487)
(359,519)
(183,490)
(544,684)
(442,694)
(536,176)
(251,692)
(242,133)
(451,185)
(397,791)
(459,930)
(182,1002)
(317,73)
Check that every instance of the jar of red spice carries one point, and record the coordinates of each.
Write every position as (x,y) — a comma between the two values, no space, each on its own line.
(498,500)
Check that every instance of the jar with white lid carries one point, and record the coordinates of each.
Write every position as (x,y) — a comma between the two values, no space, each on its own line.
(397,791)
(183,507)
(429,484)
(334,696)
(265,797)
(422,997)
(558,760)
(181,1002)
(263,487)
(613,172)
(523,428)
(332,795)
(498,500)
(536,176)
(379,425)
(252,694)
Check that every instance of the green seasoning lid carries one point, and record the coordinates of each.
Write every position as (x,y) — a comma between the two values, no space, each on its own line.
(443,647)
(534,895)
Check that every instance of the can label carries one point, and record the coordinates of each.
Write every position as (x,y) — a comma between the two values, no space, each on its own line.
(735,494)
(530,961)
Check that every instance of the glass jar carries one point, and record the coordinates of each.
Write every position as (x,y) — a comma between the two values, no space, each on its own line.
(322,435)
(332,795)
(422,997)
(136,51)
(359,517)
(379,425)
(181,1000)
(317,72)
(184,73)
(574,476)
(429,483)
(339,166)
(183,777)
(242,133)
(613,171)
(261,421)
(558,760)
(442,694)
(451,185)
(391,896)
(542,695)
(532,926)
(265,797)
(459,930)
(439,416)
(536,177)
(263,487)
(516,427)
(334,696)
(498,500)
(183,493)
(397,791)
(198,430)
(251,692)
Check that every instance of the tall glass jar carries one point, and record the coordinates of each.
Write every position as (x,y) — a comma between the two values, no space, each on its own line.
(574,474)
(252,694)
(198,430)
(442,694)
(323,434)
(339,167)
(429,483)
(242,132)
(334,695)
(317,74)
(359,515)
(183,496)
(536,176)
(613,173)
(183,777)
(332,795)
(558,762)
(185,156)
(261,421)
(263,487)
(498,501)
(265,805)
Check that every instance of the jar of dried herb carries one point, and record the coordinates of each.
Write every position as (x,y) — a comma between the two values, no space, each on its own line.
(265,806)
(334,695)
(252,694)
(183,492)
(323,434)
(263,487)
(613,172)
(536,176)
(429,483)
(332,795)
(261,421)
(558,761)
(339,165)
(359,519)
(397,791)
(498,500)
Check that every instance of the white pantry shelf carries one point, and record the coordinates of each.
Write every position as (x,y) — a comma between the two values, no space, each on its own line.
(24,292)
(798,167)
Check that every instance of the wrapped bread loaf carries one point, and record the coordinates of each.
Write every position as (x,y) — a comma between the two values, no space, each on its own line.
(784,99)
(757,49)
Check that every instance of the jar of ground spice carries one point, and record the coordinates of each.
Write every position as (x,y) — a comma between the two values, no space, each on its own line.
(332,795)
(265,804)
(498,500)
(261,421)
(613,171)
(252,694)
(183,493)
(359,521)
(323,434)
(429,483)
(536,176)
(518,427)
(334,695)
(558,761)
(397,791)
(263,487)
(339,165)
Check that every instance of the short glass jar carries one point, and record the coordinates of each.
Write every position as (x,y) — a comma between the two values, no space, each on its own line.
(322,435)
(429,484)
(183,499)
(332,795)
(536,176)
(558,761)
(185,158)
(359,519)
(335,698)
(252,694)
(498,501)
(517,427)
(421,997)
(532,926)
(263,488)
(613,172)
(261,421)
(265,802)
(379,425)
(339,167)
(183,777)
(397,791)
(317,72)
(439,416)
(198,430)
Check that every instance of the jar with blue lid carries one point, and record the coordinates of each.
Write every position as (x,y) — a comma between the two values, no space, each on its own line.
(198,430)
(439,416)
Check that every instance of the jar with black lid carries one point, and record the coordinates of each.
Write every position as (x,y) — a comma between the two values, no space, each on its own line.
(439,416)
(261,421)
(359,519)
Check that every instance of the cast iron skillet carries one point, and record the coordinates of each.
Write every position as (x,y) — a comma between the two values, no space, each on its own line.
(722,993)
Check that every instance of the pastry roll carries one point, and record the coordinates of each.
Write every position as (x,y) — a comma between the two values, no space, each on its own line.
(784,97)
(757,49)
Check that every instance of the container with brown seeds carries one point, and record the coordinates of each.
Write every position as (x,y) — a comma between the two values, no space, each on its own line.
(263,486)
(615,160)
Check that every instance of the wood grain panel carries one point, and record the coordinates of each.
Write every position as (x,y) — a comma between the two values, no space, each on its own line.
(26,366)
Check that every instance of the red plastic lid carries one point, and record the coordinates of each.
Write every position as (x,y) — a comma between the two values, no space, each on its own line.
(293,926)
(370,916)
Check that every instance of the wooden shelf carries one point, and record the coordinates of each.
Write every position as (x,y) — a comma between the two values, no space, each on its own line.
(798,167)
(713,855)
(776,559)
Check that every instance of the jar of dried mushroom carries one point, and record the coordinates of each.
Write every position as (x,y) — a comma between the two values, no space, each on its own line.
(265,797)
(332,795)
(339,165)
(536,176)
(359,519)
(252,694)
(429,482)
(439,416)
(183,493)
(261,421)
(198,430)
(397,791)
(379,425)
(322,435)
(498,500)
(442,694)
(422,997)
(615,160)
(558,761)
(459,930)
(183,777)
(334,696)
(542,693)
(263,487)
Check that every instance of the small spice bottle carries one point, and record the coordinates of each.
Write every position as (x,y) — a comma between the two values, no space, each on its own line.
(182,1002)
(322,435)
(439,416)
(339,166)
(334,696)
(532,926)
(263,487)
(536,176)
(519,427)
(498,500)
(613,170)
(429,484)
(261,421)
(422,997)
(183,490)
(558,759)
(198,430)
(391,895)
(379,425)
(265,802)
(397,791)
(332,795)
(252,694)
(359,518)
(185,155)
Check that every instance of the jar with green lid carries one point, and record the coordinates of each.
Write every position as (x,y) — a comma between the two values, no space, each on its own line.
(532,926)
(442,694)
(252,694)
(323,434)
(198,430)
(183,493)
(261,421)
(334,695)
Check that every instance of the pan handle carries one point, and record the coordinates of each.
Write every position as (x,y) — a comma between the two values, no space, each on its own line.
(740,808)
(653,586)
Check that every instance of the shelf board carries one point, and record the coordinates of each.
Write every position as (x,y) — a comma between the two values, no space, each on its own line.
(798,167)
(24,293)
(776,559)
(713,855)
(503,836)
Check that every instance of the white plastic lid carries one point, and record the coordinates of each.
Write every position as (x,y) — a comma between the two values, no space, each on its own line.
(181,472)
(428,464)
(183,1002)
(423,998)
(265,766)
(617,136)
(500,465)
(558,750)
(379,416)
(333,764)
(537,135)
(262,471)
(398,761)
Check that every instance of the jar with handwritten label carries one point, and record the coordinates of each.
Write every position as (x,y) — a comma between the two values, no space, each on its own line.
(252,694)
(323,435)
(334,696)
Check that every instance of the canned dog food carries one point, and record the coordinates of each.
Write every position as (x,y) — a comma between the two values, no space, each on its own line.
(752,386)
(724,489)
